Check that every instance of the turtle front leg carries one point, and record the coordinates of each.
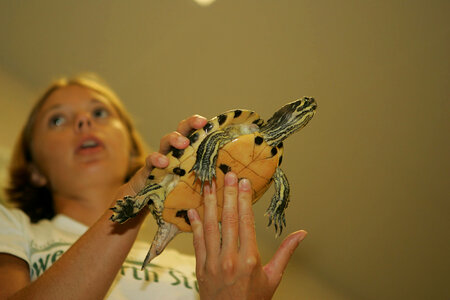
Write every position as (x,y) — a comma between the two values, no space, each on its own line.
(207,152)
(129,206)
(279,202)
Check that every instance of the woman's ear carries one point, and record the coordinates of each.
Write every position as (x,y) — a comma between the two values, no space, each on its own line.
(37,178)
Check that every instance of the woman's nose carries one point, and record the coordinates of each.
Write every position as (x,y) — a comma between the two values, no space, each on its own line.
(83,123)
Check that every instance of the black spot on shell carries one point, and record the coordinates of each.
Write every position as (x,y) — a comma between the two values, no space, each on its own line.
(224,168)
(221,119)
(274,151)
(258,140)
(193,138)
(208,127)
(179,171)
(237,113)
(183,214)
(280,145)
(258,122)
(177,153)
(151,177)
(280,160)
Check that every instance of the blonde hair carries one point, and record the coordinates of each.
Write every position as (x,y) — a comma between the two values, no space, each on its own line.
(37,202)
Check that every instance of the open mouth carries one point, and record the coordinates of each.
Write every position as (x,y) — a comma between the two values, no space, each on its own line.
(89,145)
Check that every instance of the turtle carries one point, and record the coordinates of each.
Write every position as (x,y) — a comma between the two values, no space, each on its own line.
(237,140)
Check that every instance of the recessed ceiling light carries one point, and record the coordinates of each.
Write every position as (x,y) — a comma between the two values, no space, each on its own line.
(204,2)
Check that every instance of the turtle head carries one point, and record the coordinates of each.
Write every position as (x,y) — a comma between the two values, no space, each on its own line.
(288,119)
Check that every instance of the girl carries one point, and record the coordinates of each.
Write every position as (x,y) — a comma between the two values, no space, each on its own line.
(78,153)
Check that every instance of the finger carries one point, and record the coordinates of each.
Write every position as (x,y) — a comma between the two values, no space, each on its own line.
(173,139)
(137,182)
(198,239)
(156,160)
(230,214)
(247,234)
(210,224)
(193,122)
(275,268)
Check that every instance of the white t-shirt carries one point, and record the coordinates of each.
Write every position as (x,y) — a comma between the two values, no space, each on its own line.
(168,276)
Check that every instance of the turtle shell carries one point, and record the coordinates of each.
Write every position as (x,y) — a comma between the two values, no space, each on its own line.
(248,155)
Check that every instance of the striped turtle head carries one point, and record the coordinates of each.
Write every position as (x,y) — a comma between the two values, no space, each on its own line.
(288,119)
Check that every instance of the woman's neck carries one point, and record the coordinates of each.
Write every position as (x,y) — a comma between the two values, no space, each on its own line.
(87,207)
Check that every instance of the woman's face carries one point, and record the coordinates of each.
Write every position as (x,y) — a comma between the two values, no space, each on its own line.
(79,140)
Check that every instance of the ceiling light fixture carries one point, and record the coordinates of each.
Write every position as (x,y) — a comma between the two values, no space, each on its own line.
(204,2)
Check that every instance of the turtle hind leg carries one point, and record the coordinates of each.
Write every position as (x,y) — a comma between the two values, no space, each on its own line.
(129,206)
(279,202)
(207,152)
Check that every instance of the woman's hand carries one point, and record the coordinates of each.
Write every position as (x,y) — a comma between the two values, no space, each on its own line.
(177,139)
(228,261)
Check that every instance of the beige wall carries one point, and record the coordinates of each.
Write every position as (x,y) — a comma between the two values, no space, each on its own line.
(14,99)
(369,174)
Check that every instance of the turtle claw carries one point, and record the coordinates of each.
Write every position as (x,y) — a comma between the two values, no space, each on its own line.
(278,220)
(202,182)
(203,174)
(279,203)
(124,210)
(130,206)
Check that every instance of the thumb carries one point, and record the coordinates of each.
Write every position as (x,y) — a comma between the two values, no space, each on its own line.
(276,266)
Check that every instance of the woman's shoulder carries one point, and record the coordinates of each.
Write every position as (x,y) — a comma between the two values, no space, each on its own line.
(13,217)
(17,229)
(14,232)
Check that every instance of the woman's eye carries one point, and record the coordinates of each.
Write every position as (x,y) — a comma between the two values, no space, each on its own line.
(100,113)
(57,121)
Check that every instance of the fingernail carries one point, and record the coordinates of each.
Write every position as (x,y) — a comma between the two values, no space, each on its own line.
(191,214)
(162,160)
(301,235)
(157,159)
(200,121)
(181,140)
(230,178)
(207,189)
(244,184)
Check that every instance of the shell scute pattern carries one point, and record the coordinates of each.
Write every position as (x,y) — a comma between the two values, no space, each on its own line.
(190,188)
(229,118)
(242,156)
